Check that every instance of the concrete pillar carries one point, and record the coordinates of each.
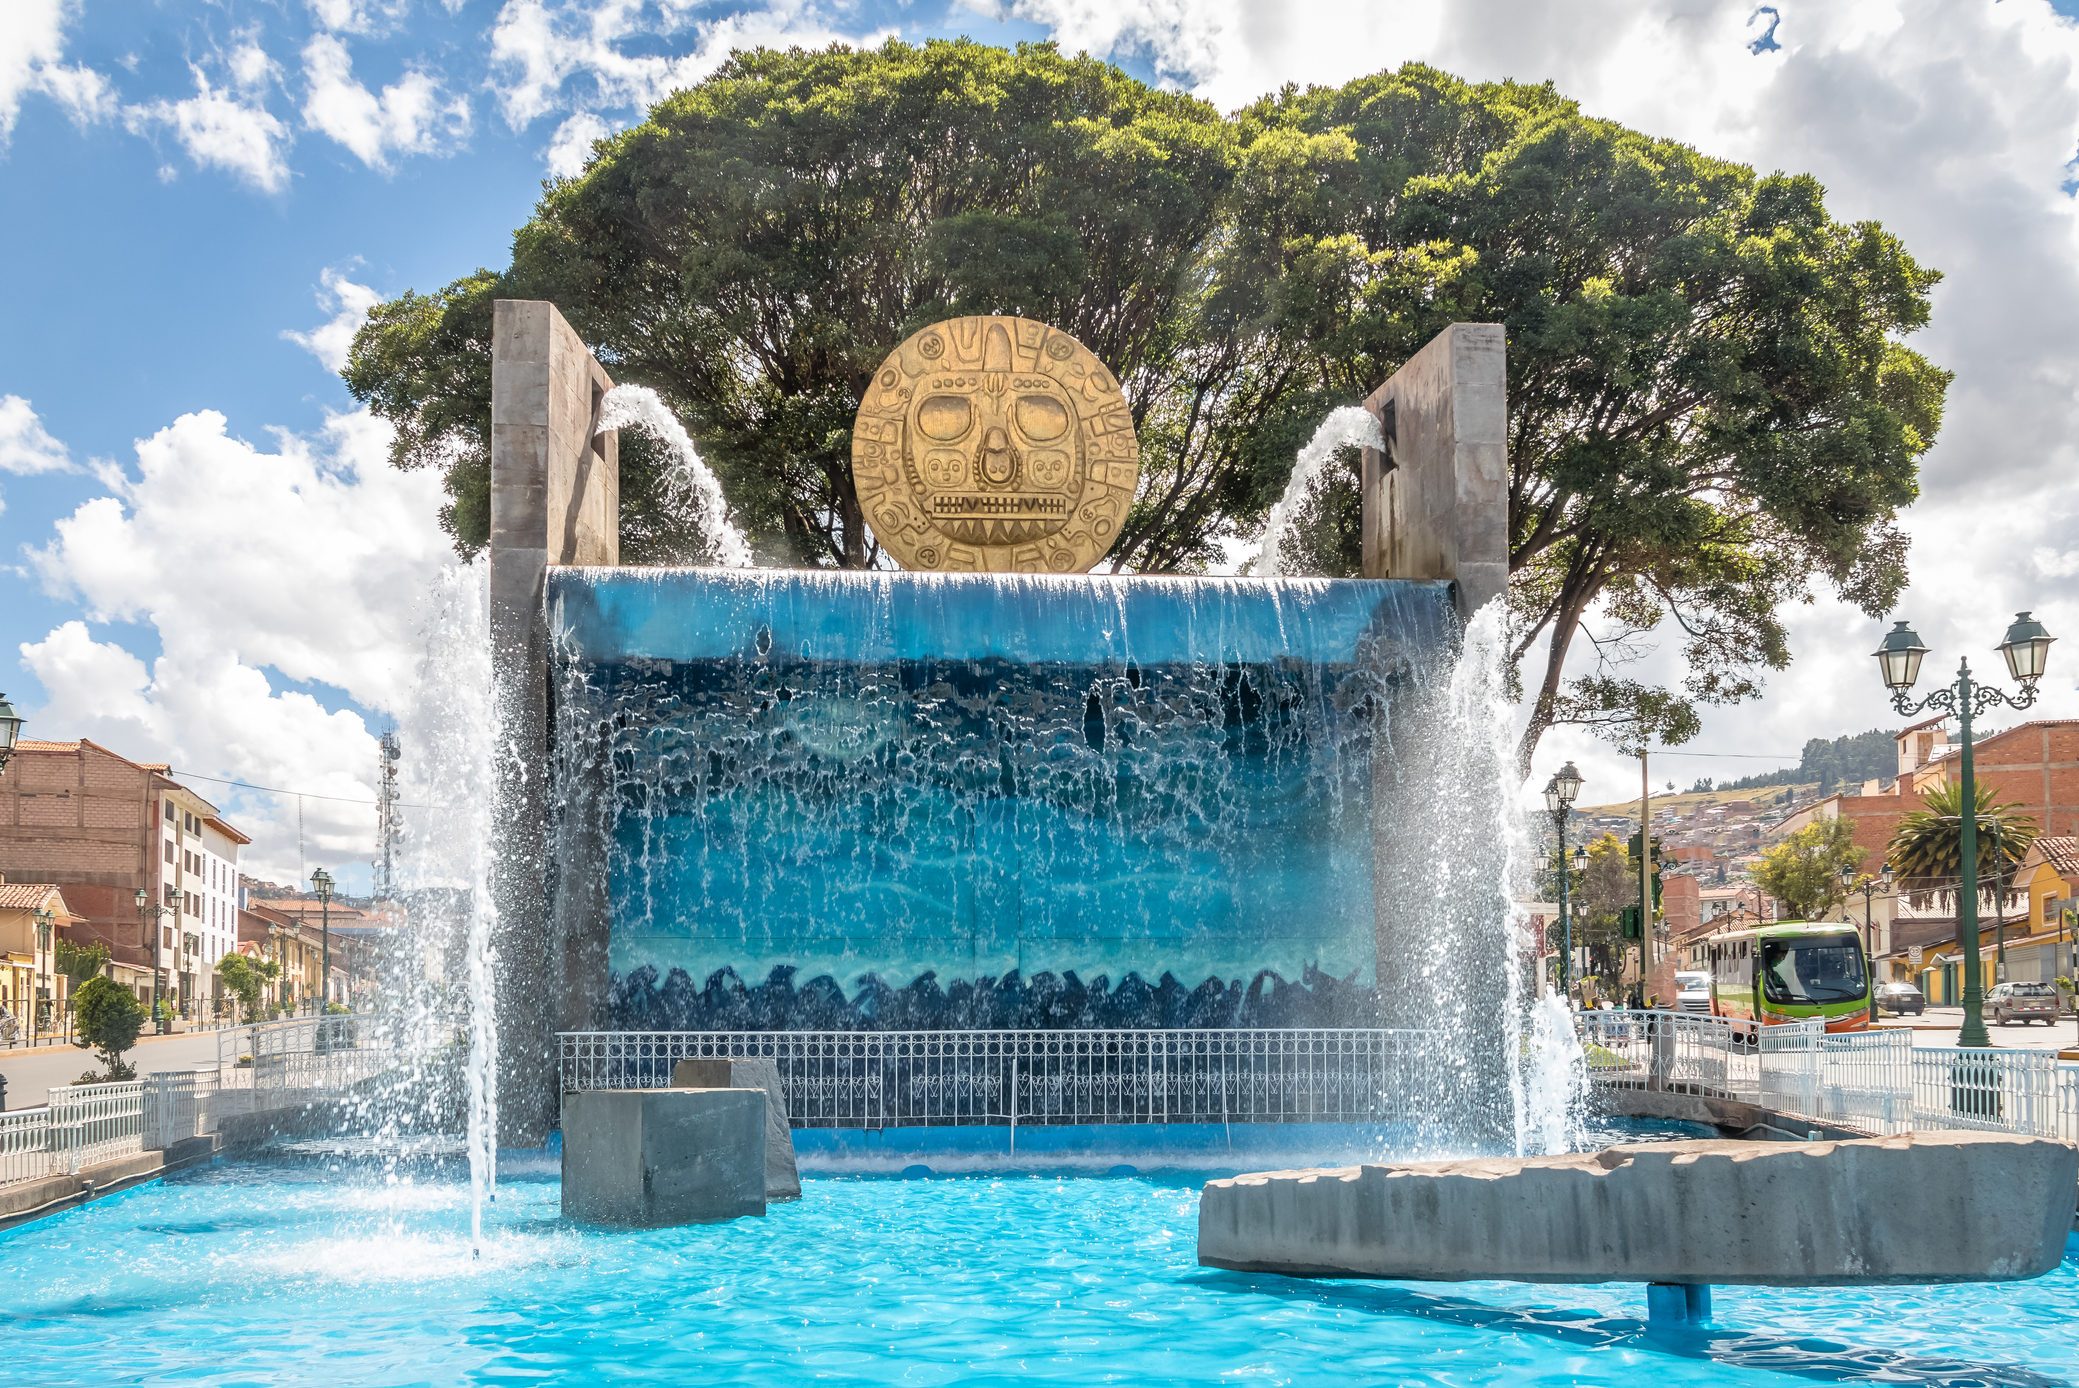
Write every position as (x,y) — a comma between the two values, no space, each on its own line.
(1436,501)
(555,499)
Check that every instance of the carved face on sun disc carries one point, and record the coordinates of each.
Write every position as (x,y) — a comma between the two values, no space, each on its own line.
(993,444)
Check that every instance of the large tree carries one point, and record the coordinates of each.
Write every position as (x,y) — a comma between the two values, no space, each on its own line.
(1926,850)
(1805,871)
(1711,406)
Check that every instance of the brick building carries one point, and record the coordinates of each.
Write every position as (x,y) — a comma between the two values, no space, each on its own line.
(103,828)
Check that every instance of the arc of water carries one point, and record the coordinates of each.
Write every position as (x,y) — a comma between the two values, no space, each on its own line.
(692,482)
(1345,425)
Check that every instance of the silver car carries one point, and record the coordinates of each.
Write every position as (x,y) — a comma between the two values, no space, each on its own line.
(2022,1002)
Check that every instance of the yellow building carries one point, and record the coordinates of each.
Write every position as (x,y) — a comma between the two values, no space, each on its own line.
(33,918)
(2039,929)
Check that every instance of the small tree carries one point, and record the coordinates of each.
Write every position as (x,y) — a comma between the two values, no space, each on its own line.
(108,1017)
(247,980)
(1804,872)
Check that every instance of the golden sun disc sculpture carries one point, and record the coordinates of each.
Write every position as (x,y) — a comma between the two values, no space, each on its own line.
(994,445)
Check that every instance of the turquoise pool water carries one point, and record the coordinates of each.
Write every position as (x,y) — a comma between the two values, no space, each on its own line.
(316,1272)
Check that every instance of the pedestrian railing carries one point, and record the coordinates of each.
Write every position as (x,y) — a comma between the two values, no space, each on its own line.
(1867,1081)
(84,1125)
(875,1079)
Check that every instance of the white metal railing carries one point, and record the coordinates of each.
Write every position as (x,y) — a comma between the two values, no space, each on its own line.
(1869,1081)
(92,1123)
(872,1079)
(25,1144)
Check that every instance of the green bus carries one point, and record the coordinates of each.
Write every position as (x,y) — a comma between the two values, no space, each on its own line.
(1790,971)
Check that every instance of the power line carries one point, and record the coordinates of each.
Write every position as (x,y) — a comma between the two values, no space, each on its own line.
(277,790)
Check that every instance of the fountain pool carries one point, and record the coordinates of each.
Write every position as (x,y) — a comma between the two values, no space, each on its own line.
(302,1271)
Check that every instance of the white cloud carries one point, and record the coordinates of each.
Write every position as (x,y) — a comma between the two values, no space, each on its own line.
(32,43)
(551,56)
(309,560)
(360,16)
(25,445)
(216,716)
(349,303)
(225,129)
(1183,39)
(571,146)
(414,115)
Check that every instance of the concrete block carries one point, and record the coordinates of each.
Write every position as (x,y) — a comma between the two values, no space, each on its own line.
(1436,501)
(782,1177)
(650,1158)
(1985,1207)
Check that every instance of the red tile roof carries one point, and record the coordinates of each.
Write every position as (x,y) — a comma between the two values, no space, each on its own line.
(2061,851)
(25,896)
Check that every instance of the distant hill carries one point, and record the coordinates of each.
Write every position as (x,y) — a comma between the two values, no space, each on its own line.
(1830,765)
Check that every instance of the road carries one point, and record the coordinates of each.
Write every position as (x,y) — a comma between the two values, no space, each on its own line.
(2032,1036)
(30,1074)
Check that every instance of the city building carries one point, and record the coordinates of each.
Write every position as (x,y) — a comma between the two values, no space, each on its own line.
(148,867)
(33,920)
(299,948)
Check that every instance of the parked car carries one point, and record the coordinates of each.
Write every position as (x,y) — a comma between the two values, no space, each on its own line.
(2022,1002)
(1693,990)
(1899,998)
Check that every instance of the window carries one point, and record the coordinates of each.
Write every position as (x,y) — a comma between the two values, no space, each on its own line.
(1816,970)
(169,850)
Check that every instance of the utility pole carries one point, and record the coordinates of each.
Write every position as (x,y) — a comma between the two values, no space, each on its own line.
(386,814)
(1645,875)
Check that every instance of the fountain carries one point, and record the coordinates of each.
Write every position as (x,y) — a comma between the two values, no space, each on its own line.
(997,792)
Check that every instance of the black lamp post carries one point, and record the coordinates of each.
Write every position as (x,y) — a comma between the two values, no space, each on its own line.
(1560,793)
(321,883)
(1869,886)
(10,730)
(46,979)
(148,913)
(2026,648)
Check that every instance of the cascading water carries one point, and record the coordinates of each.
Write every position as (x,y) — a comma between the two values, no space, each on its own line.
(1346,426)
(691,485)
(1451,855)
(449,737)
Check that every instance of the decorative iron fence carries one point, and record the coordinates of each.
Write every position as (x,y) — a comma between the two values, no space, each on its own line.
(82,1125)
(855,1079)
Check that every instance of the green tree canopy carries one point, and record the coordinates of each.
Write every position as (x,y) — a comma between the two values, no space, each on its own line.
(1926,852)
(1712,408)
(107,1017)
(1805,871)
(246,979)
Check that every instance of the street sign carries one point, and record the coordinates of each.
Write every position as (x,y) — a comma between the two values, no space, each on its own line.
(1916,954)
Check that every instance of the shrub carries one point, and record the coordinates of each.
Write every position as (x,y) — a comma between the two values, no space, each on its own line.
(108,1018)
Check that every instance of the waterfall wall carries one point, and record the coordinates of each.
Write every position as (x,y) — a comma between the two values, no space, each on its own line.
(814,799)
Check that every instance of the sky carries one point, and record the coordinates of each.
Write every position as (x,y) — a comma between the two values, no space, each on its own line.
(205,559)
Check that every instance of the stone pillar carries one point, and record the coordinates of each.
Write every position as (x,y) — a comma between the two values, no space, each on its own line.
(555,499)
(1436,500)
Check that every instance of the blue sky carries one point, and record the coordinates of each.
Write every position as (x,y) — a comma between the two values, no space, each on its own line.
(187,183)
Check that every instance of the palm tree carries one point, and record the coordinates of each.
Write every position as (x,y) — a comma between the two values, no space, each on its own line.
(1926,852)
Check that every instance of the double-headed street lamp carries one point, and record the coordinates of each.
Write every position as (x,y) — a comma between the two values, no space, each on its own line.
(321,883)
(1869,886)
(2026,648)
(148,914)
(1560,793)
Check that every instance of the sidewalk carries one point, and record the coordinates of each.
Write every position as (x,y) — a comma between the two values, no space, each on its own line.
(144,1038)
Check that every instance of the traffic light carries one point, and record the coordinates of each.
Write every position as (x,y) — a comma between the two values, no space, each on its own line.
(1628,922)
(1631,846)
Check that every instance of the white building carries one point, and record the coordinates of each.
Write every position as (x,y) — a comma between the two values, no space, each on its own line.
(200,926)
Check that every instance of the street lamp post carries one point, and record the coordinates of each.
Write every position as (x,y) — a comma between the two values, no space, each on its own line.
(321,882)
(1869,886)
(2026,648)
(1560,793)
(10,730)
(148,913)
(46,984)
